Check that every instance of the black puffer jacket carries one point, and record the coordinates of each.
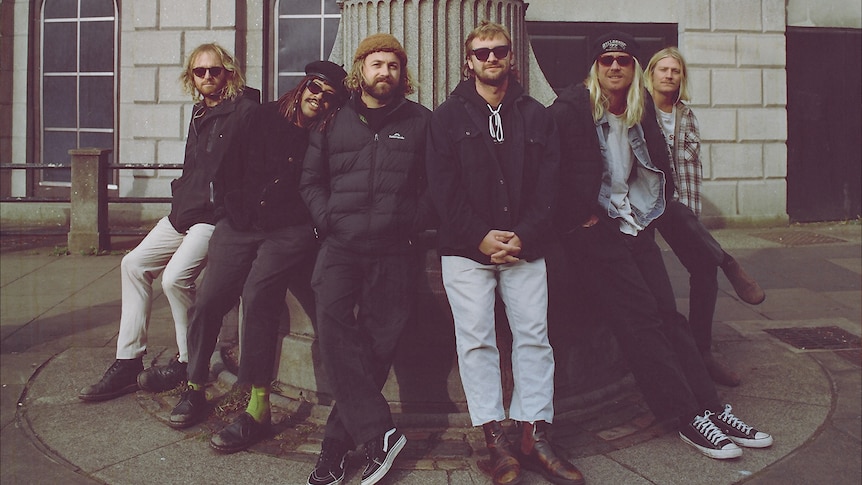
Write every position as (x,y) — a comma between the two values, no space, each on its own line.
(262,186)
(365,188)
(581,163)
(467,172)
(214,136)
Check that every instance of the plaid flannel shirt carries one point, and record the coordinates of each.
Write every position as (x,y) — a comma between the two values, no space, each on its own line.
(685,154)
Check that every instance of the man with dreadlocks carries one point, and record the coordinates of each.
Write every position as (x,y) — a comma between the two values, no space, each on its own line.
(262,242)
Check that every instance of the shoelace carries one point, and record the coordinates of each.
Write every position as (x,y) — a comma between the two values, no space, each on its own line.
(495,123)
(708,429)
(728,417)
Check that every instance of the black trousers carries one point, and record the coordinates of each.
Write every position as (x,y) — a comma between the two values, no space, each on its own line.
(634,292)
(701,255)
(256,265)
(358,347)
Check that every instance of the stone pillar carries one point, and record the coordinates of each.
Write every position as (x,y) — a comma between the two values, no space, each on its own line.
(88,225)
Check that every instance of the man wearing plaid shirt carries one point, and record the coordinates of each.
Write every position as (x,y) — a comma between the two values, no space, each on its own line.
(698,251)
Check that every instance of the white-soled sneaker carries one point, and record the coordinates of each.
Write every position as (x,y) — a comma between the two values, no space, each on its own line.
(708,438)
(381,452)
(741,433)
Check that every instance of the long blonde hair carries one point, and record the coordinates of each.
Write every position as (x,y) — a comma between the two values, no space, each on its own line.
(673,52)
(235,80)
(634,99)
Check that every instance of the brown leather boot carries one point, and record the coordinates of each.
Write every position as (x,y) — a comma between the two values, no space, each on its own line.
(504,466)
(537,455)
(745,286)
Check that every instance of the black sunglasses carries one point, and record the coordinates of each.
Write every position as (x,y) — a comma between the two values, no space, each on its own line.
(623,61)
(201,72)
(315,88)
(500,52)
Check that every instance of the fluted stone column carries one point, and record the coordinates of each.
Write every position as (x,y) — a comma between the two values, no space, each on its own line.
(424,381)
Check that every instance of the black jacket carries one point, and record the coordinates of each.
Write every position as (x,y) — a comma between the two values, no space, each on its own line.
(581,163)
(364,187)
(467,172)
(214,136)
(262,186)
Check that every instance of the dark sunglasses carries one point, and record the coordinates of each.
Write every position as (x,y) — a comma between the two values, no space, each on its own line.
(500,52)
(623,61)
(315,88)
(201,72)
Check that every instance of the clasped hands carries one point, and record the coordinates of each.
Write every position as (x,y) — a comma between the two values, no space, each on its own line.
(502,246)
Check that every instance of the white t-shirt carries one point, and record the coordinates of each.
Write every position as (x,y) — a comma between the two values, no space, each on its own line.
(668,123)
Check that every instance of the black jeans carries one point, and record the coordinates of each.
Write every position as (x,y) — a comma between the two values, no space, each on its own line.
(634,291)
(701,255)
(256,265)
(357,349)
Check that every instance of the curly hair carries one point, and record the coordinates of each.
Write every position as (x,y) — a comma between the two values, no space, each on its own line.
(353,81)
(485,30)
(235,80)
(674,53)
(289,105)
(634,99)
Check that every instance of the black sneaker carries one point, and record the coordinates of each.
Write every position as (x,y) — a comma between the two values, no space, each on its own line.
(330,464)
(119,379)
(380,453)
(161,378)
(191,409)
(708,438)
(741,433)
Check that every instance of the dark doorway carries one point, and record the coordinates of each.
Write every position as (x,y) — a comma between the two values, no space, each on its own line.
(563,48)
(824,124)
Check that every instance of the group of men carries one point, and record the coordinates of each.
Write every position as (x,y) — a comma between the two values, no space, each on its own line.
(345,171)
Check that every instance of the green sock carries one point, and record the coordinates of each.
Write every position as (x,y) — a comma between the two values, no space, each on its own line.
(195,387)
(258,405)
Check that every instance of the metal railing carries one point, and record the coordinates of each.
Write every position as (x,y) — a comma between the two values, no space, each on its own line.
(89,196)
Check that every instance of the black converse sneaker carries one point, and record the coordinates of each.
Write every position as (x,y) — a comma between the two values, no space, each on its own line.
(380,453)
(741,433)
(708,438)
(330,464)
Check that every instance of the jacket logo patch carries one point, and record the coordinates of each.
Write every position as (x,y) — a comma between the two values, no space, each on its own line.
(397,136)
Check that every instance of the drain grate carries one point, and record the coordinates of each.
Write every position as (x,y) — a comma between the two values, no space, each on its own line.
(816,338)
(798,238)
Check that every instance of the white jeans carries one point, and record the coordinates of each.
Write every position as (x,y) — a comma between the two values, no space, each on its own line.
(523,287)
(181,257)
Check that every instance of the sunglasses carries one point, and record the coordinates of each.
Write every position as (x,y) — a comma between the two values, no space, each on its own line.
(315,89)
(623,61)
(201,72)
(500,52)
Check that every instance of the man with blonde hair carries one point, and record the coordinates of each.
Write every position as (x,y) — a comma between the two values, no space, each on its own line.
(666,79)
(363,181)
(493,161)
(615,160)
(177,246)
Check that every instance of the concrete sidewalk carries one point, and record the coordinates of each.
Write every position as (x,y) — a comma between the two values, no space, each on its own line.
(798,353)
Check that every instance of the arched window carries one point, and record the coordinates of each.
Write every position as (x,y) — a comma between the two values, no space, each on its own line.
(304,31)
(78,80)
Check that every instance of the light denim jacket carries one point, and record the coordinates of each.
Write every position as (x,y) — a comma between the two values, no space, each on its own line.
(646,182)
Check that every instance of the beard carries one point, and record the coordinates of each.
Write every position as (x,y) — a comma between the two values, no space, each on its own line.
(383,90)
(496,78)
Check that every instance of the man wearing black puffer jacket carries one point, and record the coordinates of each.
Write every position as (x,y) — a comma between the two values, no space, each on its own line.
(363,181)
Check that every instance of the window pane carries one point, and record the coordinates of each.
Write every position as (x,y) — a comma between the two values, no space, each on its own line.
(98,140)
(97,8)
(59,49)
(97,102)
(296,7)
(97,46)
(59,101)
(330,29)
(331,6)
(56,151)
(298,43)
(286,83)
(60,9)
